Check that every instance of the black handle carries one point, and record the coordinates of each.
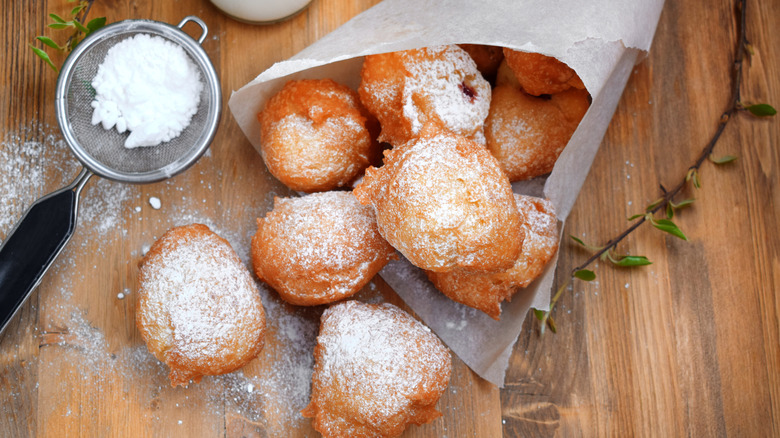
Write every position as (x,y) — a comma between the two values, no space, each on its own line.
(34,243)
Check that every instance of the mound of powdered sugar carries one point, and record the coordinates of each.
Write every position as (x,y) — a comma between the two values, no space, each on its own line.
(148,86)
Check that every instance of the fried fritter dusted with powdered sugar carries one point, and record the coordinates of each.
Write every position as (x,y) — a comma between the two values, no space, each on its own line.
(406,90)
(199,310)
(444,203)
(317,136)
(376,370)
(486,291)
(318,248)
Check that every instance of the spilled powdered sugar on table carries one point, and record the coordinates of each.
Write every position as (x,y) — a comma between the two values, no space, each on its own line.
(268,393)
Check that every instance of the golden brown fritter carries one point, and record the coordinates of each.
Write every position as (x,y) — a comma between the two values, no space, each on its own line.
(316,136)
(527,134)
(486,291)
(318,248)
(443,202)
(199,310)
(408,89)
(376,370)
(540,74)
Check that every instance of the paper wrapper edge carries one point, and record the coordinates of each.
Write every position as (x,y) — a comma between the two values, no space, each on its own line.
(603,61)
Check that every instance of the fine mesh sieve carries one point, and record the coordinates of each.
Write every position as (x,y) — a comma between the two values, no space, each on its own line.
(41,234)
(101,150)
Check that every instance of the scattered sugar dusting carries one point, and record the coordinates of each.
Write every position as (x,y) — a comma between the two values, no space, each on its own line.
(268,393)
(28,155)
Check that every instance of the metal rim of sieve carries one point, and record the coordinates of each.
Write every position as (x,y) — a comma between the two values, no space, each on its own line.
(145,164)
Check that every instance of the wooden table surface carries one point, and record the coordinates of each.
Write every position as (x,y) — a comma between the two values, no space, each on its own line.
(688,346)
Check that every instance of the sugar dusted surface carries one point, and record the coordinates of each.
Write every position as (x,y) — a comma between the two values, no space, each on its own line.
(441,78)
(407,90)
(486,291)
(375,362)
(334,150)
(314,135)
(324,227)
(443,202)
(102,351)
(526,134)
(319,247)
(197,286)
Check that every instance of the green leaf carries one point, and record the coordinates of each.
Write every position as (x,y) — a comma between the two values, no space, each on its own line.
(96,23)
(551,324)
(683,203)
(669,211)
(654,204)
(636,216)
(669,227)
(693,174)
(80,26)
(57,18)
(49,42)
(43,55)
(722,160)
(629,261)
(761,110)
(586,275)
(538,313)
(585,245)
(77,9)
(60,25)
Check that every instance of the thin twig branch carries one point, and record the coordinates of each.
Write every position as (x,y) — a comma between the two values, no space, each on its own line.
(668,195)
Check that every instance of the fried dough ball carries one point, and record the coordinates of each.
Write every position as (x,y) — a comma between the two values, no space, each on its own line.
(407,89)
(540,74)
(443,202)
(486,291)
(376,370)
(487,58)
(318,248)
(527,134)
(198,310)
(572,103)
(317,136)
(505,76)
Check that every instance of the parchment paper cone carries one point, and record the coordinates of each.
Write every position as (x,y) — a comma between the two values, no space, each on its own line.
(600,39)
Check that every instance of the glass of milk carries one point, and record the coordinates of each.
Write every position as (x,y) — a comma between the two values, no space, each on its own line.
(261,11)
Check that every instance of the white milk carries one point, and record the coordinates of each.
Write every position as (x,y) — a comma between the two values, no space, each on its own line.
(261,11)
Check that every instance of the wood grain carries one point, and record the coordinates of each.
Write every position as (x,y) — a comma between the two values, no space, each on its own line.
(689,345)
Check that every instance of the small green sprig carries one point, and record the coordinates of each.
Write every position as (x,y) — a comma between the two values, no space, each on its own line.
(78,30)
(758,109)
(609,255)
(667,203)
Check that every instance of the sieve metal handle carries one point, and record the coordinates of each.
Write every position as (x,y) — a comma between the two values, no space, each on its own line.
(34,243)
(197,21)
